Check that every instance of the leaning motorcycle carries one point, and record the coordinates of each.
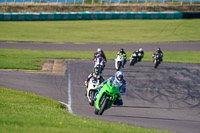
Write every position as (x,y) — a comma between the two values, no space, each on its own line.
(157,60)
(106,97)
(92,89)
(134,58)
(119,62)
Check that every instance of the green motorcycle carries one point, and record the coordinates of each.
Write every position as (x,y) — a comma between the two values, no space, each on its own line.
(106,97)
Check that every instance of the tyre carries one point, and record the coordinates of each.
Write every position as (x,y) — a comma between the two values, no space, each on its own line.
(96,111)
(103,107)
(156,64)
(133,61)
(119,64)
(92,98)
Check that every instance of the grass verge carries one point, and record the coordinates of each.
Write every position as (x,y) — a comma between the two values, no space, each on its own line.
(23,112)
(108,31)
(28,59)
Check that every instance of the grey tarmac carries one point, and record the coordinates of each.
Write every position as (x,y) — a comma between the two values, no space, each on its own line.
(167,46)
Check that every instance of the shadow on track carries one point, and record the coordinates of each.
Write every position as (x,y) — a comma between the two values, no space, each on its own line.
(151,118)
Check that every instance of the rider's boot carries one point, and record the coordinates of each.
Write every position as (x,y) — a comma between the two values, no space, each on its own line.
(124,63)
(118,102)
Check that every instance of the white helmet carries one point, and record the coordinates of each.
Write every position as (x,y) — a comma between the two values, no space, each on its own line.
(119,76)
(99,50)
(158,49)
(140,49)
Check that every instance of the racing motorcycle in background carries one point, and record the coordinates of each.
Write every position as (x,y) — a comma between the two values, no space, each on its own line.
(92,89)
(157,59)
(99,62)
(134,58)
(106,97)
(119,62)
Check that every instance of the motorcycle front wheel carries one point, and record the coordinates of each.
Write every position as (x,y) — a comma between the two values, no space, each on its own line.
(96,111)
(92,98)
(156,64)
(103,107)
(132,62)
(119,63)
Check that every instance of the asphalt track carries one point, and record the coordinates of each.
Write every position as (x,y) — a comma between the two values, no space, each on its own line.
(167,98)
(171,46)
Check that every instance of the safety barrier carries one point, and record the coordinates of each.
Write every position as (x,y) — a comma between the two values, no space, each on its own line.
(191,15)
(88,16)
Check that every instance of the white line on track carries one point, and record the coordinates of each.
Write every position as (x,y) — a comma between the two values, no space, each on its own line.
(69,90)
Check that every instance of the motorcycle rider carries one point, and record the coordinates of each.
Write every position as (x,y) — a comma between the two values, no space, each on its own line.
(95,74)
(100,53)
(158,51)
(117,80)
(122,52)
(139,52)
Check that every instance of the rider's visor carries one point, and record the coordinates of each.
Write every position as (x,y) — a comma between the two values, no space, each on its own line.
(120,77)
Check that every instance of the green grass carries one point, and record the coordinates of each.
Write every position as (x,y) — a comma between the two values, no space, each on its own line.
(109,31)
(27,59)
(22,112)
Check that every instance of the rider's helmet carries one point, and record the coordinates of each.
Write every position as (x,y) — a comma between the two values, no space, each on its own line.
(99,50)
(119,76)
(158,49)
(121,50)
(140,50)
(96,72)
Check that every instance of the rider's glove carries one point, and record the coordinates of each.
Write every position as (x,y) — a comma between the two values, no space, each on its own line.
(101,85)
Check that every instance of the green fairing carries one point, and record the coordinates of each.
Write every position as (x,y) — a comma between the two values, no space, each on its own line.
(111,91)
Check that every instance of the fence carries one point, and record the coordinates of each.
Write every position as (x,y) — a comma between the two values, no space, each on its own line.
(88,16)
(103,2)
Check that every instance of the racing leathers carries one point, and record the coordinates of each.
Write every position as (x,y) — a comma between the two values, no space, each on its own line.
(92,75)
(101,54)
(99,77)
(139,55)
(158,52)
(122,88)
